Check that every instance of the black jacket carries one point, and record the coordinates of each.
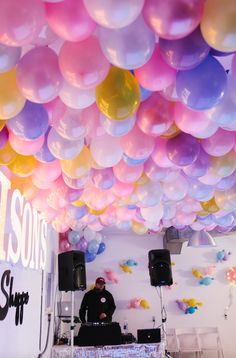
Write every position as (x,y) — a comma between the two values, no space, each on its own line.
(96,302)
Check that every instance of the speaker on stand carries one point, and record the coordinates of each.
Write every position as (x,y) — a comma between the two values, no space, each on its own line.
(72,277)
(159,264)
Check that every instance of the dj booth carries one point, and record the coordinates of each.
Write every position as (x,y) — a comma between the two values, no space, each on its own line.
(134,350)
(99,334)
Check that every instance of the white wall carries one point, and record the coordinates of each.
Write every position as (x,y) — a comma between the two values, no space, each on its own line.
(215,298)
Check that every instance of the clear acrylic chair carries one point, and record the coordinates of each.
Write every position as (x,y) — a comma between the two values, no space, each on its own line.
(188,341)
(209,339)
(172,345)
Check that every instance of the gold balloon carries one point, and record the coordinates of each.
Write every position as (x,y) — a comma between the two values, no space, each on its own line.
(139,228)
(118,96)
(23,165)
(11,100)
(2,124)
(7,155)
(96,212)
(78,166)
(78,203)
(210,206)
(218,24)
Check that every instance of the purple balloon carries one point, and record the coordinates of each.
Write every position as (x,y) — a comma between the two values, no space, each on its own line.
(200,166)
(31,123)
(183,149)
(185,53)
(202,87)
(3,137)
(44,155)
(82,244)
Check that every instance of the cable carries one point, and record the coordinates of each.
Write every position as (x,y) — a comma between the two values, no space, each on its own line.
(46,344)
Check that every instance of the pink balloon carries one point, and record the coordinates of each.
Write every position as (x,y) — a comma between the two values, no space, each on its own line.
(155,115)
(188,120)
(159,154)
(25,147)
(43,81)
(155,75)
(70,20)
(90,117)
(219,143)
(55,109)
(49,171)
(45,37)
(153,171)
(173,19)
(20,21)
(127,173)
(77,67)
(122,189)
(136,144)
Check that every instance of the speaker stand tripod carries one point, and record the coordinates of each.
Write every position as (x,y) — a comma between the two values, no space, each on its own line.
(163,324)
(72,325)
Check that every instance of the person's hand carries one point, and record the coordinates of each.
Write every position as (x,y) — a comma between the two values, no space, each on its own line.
(102,315)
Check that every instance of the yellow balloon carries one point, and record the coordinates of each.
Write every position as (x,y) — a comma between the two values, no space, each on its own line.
(78,166)
(97,212)
(139,228)
(23,165)
(118,96)
(210,206)
(11,100)
(78,203)
(2,124)
(218,24)
(7,155)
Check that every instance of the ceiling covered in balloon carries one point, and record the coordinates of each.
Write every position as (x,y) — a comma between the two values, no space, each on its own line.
(121,113)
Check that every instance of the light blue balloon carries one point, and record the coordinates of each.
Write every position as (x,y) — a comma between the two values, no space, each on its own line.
(93,247)
(73,237)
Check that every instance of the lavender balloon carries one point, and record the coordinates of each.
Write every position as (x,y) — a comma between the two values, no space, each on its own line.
(44,155)
(31,123)
(183,149)
(185,53)
(202,87)
(9,57)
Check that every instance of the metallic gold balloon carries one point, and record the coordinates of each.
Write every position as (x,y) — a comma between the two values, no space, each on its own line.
(23,165)
(7,155)
(2,124)
(78,166)
(218,24)
(11,100)
(118,96)
(96,212)
(210,206)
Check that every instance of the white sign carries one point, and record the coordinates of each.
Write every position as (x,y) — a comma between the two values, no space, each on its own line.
(22,231)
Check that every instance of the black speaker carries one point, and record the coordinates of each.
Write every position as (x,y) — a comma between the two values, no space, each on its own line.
(160,267)
(71,271)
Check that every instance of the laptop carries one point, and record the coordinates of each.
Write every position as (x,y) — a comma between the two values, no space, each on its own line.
(151,335)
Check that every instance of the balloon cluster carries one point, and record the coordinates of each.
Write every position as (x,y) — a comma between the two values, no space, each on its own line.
(88,241)
(188,305)
(120,113)
(203,280)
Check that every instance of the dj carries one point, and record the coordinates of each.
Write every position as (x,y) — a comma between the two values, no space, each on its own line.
(99,304)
